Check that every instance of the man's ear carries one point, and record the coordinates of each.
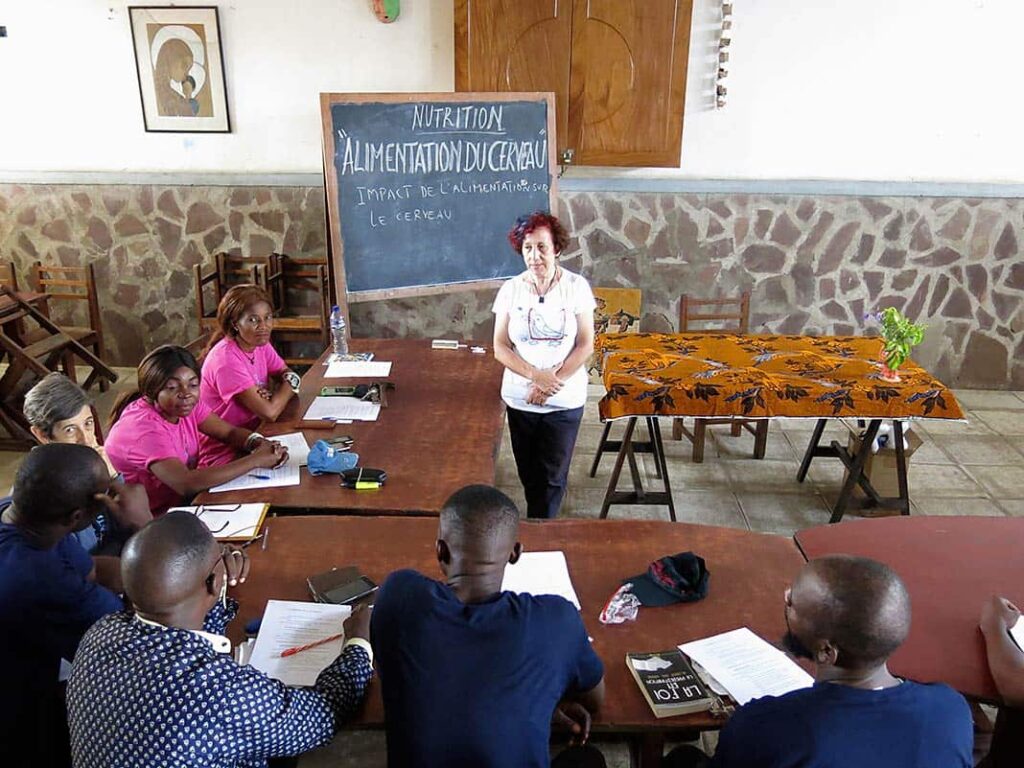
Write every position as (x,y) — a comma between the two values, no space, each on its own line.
(827,654)
(41,436)
(444,555)
(517,550)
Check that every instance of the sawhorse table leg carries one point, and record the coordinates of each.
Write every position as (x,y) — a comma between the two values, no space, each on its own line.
(626,449)
(854,464)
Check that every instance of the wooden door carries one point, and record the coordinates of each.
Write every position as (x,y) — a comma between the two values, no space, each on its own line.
(515,45)
(627,82)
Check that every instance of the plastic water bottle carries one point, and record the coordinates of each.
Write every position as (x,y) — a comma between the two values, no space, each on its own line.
(339,339)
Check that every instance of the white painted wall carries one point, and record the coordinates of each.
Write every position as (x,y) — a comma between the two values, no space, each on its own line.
(889,90)
(70,94)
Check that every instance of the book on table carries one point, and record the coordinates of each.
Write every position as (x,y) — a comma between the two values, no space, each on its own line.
(669,683)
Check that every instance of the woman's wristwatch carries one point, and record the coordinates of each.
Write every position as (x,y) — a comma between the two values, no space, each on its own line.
(252,441)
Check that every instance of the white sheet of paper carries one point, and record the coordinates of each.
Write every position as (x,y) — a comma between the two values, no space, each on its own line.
(261,478)
(747,665)
(289,624)
(336,408)
(1017,633)
(341,369)
(228,521)
(298,448)
(540,573)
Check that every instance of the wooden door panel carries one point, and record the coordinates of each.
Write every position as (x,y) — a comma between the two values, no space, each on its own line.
(627,81)
(515,45)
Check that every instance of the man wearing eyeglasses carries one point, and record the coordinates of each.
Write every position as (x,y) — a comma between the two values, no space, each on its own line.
(51,591)
(159,687)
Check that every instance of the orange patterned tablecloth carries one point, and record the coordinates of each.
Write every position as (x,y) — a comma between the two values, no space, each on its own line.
(722,375)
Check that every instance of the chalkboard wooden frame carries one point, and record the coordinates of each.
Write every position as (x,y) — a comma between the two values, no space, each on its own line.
(337,247)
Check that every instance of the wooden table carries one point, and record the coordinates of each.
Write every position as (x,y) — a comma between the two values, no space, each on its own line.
(440,431)
(749,573)
(732,376)
(951,566)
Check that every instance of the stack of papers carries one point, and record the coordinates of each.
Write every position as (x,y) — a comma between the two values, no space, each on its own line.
(746,665)
(289,624)
(540,573)
(341,409)
(261,478)
(230,522)
(357,369)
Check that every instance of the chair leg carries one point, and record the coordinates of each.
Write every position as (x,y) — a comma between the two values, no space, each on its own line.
(677,429)
(699,433)
(736,429)
(761,439)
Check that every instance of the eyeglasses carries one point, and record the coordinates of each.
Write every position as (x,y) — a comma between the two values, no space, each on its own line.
(200,510)
(539,328)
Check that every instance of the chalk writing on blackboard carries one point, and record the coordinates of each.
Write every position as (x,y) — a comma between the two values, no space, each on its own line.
(426,190)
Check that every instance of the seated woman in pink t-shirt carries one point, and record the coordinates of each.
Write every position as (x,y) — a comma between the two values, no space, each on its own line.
(154,440)
(243,377)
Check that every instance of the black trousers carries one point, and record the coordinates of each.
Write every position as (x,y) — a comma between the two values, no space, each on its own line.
(542,444)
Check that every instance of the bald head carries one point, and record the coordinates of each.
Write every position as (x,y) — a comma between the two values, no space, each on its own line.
(168,562)
(479,517)
(859,605)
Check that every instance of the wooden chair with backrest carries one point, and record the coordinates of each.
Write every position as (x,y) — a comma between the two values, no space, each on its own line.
(8,277)
(30,357)
(728,315)
(300,291)
(76,285)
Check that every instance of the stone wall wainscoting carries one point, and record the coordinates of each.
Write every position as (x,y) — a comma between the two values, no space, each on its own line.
(814,264)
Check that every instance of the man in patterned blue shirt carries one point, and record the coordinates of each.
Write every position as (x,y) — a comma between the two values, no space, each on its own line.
(153,689)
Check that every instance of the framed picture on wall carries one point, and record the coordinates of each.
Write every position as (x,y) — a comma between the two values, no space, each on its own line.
(180,64)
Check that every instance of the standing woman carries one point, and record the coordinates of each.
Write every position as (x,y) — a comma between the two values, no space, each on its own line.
(543,335)
(154,439)
(243,376)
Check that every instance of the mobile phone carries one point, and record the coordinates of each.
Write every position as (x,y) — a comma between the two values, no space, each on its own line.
(337,391)
(350,592)
(343,441)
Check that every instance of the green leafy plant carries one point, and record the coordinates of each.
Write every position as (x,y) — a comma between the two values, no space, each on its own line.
(900,336)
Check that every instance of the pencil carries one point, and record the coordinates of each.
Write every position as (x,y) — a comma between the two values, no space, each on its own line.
(307,646)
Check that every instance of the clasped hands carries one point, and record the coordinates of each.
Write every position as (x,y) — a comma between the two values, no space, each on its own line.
(543,384)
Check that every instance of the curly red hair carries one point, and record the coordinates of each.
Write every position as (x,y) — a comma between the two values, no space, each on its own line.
(531,223)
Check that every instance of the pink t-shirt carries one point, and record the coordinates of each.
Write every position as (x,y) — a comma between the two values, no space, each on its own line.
(142,436)
(228,371)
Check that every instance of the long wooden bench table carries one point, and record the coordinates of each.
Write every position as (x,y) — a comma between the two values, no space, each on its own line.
(749,573)
(440,431)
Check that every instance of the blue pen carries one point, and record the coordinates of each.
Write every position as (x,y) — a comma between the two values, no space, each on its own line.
(258,477)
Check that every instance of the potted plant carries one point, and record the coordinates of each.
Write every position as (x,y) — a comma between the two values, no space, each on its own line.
(899,336)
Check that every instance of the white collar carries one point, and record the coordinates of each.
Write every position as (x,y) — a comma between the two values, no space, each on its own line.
(220,643)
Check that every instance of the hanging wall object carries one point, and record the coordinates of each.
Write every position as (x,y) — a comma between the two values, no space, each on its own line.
(180,65)
(387,10)
(721,91)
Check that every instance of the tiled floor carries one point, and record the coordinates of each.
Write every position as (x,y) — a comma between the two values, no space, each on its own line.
(975,468)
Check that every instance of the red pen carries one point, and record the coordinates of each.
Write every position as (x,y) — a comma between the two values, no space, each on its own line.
(307,646)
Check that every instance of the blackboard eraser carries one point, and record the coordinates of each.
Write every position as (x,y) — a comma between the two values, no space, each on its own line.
(445,344)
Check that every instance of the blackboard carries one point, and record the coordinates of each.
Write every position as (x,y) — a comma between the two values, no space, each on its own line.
(422,189)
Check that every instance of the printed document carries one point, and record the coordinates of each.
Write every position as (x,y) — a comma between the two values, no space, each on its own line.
(746,665)
(261,478)
(298,449)
(342,369)
(338,408)
(540,573)
(289,624)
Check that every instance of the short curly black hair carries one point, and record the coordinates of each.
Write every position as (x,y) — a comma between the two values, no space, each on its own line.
(538,220)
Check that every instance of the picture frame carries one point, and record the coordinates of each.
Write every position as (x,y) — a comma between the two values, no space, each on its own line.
(179,61)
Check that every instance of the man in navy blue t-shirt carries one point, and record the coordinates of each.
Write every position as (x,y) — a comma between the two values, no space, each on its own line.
(49,593)
(848,615)
(471,675)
